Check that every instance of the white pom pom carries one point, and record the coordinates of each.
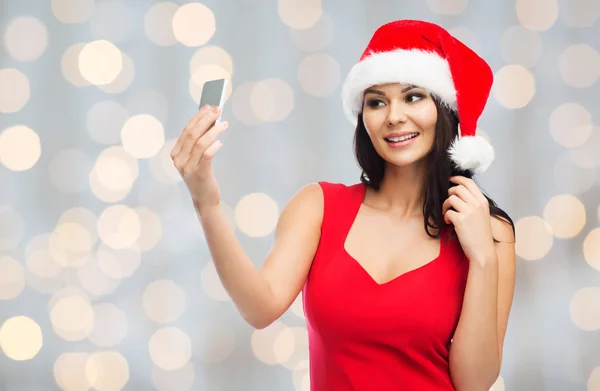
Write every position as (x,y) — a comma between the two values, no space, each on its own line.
(472,153)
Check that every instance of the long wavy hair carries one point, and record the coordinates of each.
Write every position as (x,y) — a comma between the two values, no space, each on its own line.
(441,168)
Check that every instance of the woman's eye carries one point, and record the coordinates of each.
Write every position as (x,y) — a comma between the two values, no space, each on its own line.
(374,103)
(414,97)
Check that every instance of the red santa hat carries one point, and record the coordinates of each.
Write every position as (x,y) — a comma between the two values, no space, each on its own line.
(426,55)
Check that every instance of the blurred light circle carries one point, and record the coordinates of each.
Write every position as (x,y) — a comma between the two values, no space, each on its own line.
(108,184)
(272,100)
(537,15)
(70,66)
(291,347)
(586,155)
(97,282)
(107,371)
(256,214)
(579,65)
(21,338)
(566,215)
(581,13)
(536,238)
(26,38)
(585,308)
(319,74)
(570,124)
(158,23)
(73,11)
(72,318)
(110,325)
(162,167)
(193,24)
(514,86)
(100,62)
(299,14)
(113,173)
(151,228)
(119,263)
(123,80)
(142,136)
(591,248)
(211,55)
(20,148)
(170,348)
(119,226)
(70,244)
(12,278)
(242,107)
(263,344)
(14,90)
(163,301)
(69,371)
(38,258)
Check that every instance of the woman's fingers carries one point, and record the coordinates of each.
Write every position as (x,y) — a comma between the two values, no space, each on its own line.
(190,137)
(204,123)
(177,147)
(203,147)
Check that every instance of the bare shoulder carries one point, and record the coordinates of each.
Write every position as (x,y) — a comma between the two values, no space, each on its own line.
(304,209)
(311,194)
(502,230)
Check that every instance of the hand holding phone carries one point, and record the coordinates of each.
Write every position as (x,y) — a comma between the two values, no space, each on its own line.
(197,145)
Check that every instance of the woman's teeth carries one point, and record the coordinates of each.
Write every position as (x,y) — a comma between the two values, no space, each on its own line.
(403,138)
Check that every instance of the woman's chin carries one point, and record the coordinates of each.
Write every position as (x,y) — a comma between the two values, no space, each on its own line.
(404,161)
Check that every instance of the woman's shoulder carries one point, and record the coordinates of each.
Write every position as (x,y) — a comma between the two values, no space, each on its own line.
(317,194)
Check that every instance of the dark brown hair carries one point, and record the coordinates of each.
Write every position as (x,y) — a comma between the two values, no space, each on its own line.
(441,168)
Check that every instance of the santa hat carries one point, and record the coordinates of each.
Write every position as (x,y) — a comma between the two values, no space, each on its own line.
(426,55)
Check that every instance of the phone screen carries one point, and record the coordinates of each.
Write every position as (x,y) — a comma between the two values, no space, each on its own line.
(212,93)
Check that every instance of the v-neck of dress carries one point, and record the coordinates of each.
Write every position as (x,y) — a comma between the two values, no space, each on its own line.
(356,205)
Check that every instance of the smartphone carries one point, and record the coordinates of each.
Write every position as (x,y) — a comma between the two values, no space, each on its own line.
(213,94)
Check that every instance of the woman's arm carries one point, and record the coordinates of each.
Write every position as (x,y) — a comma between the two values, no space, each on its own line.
(476,350)
(262,295)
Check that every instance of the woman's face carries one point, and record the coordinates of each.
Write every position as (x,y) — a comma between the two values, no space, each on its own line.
(400,120)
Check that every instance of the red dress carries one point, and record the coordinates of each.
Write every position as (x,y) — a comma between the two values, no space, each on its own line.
(365,336)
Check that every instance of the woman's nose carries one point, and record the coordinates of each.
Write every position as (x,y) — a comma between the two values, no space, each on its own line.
(396,114)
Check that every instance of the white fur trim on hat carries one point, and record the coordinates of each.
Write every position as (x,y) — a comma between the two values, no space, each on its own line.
(421,68)
(471,153)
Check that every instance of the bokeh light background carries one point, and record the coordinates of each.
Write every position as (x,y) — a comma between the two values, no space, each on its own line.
(106,282)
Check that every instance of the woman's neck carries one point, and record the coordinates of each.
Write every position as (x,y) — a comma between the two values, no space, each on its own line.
(401,192)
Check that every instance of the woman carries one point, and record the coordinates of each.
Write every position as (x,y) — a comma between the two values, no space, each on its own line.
(408,276)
